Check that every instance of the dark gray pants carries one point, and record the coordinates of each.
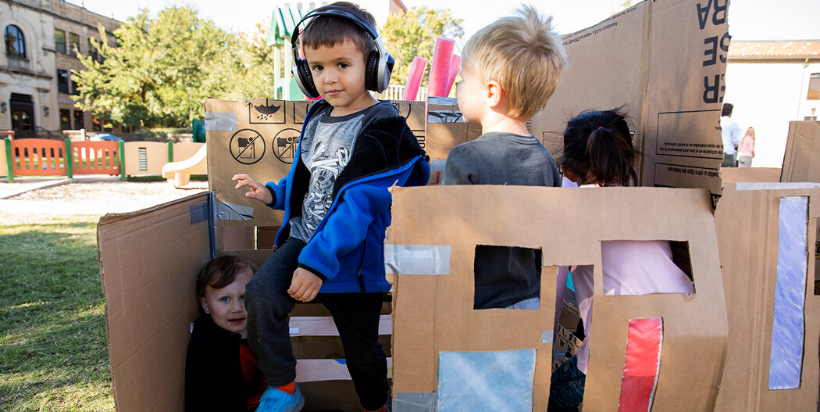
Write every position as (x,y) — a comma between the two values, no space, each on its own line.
(356,316)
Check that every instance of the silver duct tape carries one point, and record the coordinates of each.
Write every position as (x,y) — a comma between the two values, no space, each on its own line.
(414,402)
(775,185)
(223,122)
(198,213)
(417,259)
(546,336)
(229,211)
(437,165)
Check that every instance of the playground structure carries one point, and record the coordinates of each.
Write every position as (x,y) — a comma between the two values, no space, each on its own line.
(44,157)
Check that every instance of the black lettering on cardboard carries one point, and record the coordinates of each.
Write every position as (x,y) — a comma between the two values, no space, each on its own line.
(703,14)
(710,92)
(720,11)
(724,46)
(711,50)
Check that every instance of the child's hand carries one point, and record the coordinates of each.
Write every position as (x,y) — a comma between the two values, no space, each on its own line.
(258,191)
(305,285)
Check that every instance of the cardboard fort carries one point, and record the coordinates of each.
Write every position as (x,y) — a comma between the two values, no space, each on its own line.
(749,174)
(448,356)
(801,162)
(663,61)
(767,235)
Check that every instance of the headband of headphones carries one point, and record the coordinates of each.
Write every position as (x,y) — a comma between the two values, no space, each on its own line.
(378,69)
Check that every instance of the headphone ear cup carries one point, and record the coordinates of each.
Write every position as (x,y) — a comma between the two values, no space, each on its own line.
(371,73)
(304,79)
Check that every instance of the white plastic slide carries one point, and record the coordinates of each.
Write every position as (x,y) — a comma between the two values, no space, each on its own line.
(179,173)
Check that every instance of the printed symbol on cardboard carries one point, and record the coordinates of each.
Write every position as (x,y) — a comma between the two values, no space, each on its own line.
(266,111)
(247,146)
(284,145)
(300,110)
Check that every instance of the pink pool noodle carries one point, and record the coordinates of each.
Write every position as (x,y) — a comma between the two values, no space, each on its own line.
(440,68)
(454,65)
(411,89)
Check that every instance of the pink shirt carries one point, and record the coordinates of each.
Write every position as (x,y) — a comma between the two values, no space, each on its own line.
(629,268)
(747,146)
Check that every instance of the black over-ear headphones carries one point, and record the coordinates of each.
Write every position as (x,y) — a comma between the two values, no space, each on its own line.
(378,64)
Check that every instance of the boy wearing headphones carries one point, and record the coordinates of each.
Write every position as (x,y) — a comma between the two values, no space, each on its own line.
(336,202)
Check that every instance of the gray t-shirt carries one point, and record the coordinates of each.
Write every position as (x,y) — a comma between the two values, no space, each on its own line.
(327,144)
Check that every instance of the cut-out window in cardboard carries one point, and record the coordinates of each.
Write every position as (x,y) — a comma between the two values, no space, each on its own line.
(434,314)
(507,277)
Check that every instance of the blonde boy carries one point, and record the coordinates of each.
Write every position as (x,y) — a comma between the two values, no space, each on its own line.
(509,71)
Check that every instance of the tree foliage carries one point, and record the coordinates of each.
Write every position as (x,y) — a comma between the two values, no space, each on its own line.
(159,71)
(414,34)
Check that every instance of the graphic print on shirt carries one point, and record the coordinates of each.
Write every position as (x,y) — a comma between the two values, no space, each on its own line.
(325,165)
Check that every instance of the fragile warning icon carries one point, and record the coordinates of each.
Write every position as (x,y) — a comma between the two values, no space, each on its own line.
(247,146)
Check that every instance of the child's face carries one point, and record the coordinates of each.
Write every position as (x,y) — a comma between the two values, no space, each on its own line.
(470,94)
(338,73)
(227,305)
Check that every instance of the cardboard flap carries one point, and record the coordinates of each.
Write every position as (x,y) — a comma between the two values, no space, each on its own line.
(434,311)
(668,59)
(149,261)
(801,161)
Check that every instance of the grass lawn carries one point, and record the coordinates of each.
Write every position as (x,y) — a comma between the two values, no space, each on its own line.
(53,349)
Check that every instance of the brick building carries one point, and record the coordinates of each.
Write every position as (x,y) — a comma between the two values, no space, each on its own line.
(36,83)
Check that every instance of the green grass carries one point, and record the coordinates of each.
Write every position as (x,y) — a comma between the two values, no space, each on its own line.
(53,349)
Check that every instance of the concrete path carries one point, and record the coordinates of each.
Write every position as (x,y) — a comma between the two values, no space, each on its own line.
(24,184)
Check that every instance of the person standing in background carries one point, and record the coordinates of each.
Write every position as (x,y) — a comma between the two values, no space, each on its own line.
(731,135)
(746,150)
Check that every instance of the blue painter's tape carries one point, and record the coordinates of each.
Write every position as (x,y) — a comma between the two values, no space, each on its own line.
(788,332)
(486,381)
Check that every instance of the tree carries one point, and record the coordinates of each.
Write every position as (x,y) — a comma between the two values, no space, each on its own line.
(255,76)
(160,71)
(414,34)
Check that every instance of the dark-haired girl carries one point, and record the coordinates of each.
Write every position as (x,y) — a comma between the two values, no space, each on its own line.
(598,153)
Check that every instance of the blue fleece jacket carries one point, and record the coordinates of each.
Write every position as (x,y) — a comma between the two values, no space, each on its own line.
(347,248)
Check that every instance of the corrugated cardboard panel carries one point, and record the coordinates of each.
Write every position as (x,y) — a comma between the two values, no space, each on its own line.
(749,174)
(435,313)
(148,265)
(664,65)
(801,163)
(747,228)
(260,137)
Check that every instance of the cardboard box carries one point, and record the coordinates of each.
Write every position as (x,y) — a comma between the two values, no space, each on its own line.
(749,174)
(149,309)
(664,62)
(432,247)
(260,137)
(764,246)
(446,127)
(801,162)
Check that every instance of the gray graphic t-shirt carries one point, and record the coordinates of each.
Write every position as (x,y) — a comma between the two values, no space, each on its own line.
(326,148)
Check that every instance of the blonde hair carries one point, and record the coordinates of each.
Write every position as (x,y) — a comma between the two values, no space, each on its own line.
(524,55)
(750,132)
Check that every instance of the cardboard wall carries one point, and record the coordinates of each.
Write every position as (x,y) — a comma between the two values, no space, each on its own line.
(148,266)
(748,229)
(259,137)
(663,61)
(433,298)
(801,163)
(749,174)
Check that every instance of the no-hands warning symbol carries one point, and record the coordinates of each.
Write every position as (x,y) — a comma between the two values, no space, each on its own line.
(247,146)
(285,144)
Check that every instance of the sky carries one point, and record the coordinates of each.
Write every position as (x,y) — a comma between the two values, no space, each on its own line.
(748,19)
